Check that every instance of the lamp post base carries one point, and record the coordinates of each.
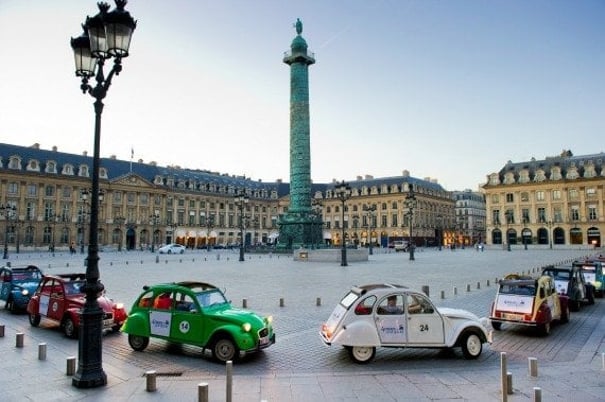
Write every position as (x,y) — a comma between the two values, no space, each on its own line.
(343,257)
(90,372)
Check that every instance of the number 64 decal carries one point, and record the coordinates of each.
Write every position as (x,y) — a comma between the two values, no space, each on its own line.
(424,327)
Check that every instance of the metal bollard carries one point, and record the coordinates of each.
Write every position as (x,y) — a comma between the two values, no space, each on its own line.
(425,290)
(42,351)
(509,383)
(455,290)
(468,287)
(318,301)
(487,283)
(478,285)
(443,294)
(602,357)
(19,339)
(229,389)
(244,303)
(537,394)
(202,392)
(533,366)
(1,331)
(503,377)
(150,377)
(281,302)
(71,366)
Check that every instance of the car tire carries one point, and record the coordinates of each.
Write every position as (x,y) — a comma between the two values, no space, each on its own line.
(169,252)
(565,314)
(575,305)
(471,345)
(497,325)
(362,354)
(544,329)
(224,350)
(138,343)
(34,319)
(590,295)
(69,328)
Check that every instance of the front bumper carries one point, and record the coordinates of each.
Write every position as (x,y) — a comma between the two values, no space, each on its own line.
(271,341)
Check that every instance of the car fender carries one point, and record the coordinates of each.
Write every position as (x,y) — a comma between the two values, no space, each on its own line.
(544,314)
(74,314)
(564,302)
(243,340)
(358,333)
(136,324)
(453,336)
(32,305)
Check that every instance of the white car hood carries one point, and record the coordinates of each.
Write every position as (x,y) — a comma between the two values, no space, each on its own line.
(457,313)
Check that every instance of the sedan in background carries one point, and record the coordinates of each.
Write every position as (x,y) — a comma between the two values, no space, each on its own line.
(172,249)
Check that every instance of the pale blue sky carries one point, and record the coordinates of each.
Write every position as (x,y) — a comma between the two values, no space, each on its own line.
(445,89)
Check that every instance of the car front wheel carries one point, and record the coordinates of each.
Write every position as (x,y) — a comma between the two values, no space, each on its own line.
(69,328)
(471,345)
(545,329)
(224,350)
(565,315)
(138,343)
(34,319)
(362,354)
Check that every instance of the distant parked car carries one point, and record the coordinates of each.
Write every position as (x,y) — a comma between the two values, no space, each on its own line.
(395,316)
(172,249)
(401,245)
(570,281)
(196,313)
(592,270)
(60,298)
(17,284)
(527,301)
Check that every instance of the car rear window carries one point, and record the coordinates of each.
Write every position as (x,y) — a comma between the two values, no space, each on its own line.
(514,289)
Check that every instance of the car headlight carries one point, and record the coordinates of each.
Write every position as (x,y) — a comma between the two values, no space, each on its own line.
(119,306)
(269,319)
(246,327)
(25,292)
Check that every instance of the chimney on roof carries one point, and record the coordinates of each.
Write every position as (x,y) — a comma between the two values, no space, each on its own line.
(140,161)
(36,145)
(54,148)
(85,153)
(369,177)
(359,178)
(153,163)
(405,173)
(113,157)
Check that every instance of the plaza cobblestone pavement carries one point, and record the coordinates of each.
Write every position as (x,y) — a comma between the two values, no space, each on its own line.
(299,367)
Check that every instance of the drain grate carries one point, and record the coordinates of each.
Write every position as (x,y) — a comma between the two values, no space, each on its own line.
(167,374)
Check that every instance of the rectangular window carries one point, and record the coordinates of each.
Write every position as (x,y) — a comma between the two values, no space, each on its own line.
(525,215)
(383,218)
(510,216)
(66,192)
(558,215)
(541,215)
(592,213)
(575,214)
(181,202)
(524,197)
(510,197)
(393,219)
(495,198)
(144,198)
(591,192)
(573,194)
(540,195)
(496,216)
(49,191)
(13,188)
(32,190)
(117,197)
(131,198)
(556,194)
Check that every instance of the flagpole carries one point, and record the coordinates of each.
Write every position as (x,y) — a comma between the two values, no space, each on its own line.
(131,156)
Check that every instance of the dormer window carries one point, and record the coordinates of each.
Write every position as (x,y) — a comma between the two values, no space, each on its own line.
(83,171)
(33,166)
(51,167)
(68,169)
(103,173)
(14,163)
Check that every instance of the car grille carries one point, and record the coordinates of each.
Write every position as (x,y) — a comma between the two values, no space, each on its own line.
(263,332)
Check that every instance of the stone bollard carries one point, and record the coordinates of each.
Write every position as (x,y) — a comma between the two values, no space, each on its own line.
(425,290)
(1,331)
(509,383)
(244,303)
(71,366)
(602,354)
(487,283)
(318,301)
(533,366)
(229,387)
(468,287)
(443,294)
(202,392)
(537,394)
(281,302)
(42,351)
(151,383)
(455,290)
(19,339)
(478,285)
(157,259)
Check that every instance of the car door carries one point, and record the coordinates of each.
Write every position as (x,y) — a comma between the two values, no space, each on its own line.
(5,284)
(547,288)
(390,320)
(56,303)
(424,323)
(187,325)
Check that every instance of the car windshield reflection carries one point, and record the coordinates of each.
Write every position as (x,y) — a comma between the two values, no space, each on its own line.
(211,298)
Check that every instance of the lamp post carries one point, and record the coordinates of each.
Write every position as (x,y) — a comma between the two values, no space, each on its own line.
(52,219)
(370,210)
(7,210)
(410,203)
(119,220)
(106,35)
(155,219)
(343,193)
(209,226)
(439,235)
(549,223)
(508,219)
(173,227)
(241,200)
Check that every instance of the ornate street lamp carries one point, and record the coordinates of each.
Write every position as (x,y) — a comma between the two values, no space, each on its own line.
(155,219)
(549,223)
(119,220)
(370,210)
(209,226)
(52,218)
(508,222)
(106,35)
(343,193)
(439,233)
(410,203)
(7,210)
(241,200)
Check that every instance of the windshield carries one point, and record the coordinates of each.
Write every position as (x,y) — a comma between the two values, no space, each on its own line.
(210,298)
(73,288)
(558,275)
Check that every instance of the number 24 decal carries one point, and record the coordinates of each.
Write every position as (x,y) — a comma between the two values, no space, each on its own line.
(424,327)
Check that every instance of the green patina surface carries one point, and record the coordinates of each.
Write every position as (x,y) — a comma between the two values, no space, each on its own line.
(299,226)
